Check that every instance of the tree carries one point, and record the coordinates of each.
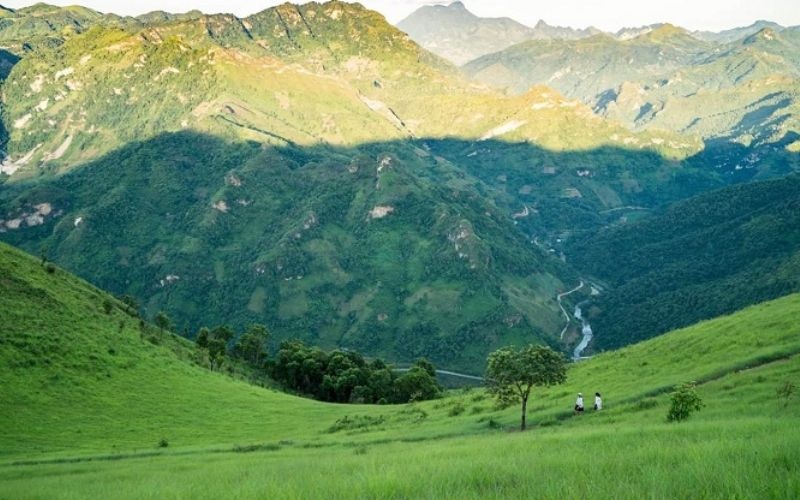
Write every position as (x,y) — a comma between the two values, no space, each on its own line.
(415,385)
(162,321)
(217,344)
(683,402)
(202,337)
(252,345)
(511,374)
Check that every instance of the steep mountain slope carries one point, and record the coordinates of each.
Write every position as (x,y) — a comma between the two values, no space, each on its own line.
(702,257)
(456,34)
(87,401)
(375,248)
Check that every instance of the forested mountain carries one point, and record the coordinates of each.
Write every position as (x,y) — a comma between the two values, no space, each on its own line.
(706,256)
(313,169)
(225,170)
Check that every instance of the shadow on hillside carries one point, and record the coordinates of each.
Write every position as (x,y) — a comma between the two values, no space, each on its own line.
(443,248)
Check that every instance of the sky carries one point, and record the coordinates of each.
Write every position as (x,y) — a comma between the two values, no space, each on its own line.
(609,15)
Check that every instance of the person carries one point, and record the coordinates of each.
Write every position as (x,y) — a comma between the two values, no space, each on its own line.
(598,401)
(579,404)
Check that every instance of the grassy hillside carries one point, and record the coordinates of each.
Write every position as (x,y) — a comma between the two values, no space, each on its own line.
(86,402)
(700,258)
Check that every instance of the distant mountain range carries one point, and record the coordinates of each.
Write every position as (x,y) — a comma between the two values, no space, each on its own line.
(456,34)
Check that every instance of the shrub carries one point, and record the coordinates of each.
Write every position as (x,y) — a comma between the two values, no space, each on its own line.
(163,443)
(456,409)
(683,402)
(108,306)
(50,268)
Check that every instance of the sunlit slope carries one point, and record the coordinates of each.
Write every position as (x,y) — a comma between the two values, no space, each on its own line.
(334,72)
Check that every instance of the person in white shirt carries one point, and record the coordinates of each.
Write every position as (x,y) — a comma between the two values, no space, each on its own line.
(598,401)
(579,403)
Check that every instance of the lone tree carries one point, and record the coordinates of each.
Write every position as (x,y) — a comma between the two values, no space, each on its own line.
(683,402)
(511,374)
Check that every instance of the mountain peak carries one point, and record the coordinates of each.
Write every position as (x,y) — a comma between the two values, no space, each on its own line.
(767,34)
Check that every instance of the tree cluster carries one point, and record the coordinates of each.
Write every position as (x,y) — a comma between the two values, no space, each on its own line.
(346,377)
(250,347)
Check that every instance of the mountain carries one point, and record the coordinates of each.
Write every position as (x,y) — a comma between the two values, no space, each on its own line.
(459,36)
(456,34)
(736,34)
(744,92)
(342,189)
(585,68)
(700,258)
(160,424)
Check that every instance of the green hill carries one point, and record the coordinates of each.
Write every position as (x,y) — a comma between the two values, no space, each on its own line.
(700,258)
(86,402)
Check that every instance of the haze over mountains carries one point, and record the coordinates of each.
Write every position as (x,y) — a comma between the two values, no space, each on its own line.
(315,169)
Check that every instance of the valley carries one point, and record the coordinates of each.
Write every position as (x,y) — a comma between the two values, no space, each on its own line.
(320,251)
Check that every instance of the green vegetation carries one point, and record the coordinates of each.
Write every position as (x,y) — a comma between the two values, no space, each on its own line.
(346,377)
(683,402)
(225,437)
(511,374)
(703,257)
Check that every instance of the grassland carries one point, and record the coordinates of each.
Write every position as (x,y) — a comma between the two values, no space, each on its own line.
(86,400)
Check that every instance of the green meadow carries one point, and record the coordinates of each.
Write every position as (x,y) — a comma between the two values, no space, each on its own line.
(92,407)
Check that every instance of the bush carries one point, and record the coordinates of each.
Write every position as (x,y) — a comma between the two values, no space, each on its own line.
(50,268)
(683,402)
(163,443)
(456,409)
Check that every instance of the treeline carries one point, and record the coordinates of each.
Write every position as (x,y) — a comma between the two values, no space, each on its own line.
(339,376)
(346,377)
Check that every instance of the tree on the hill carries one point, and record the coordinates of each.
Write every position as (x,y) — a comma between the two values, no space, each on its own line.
(202,337)
(511,374)
(217,344)
(418,383)
(162,322)
(683,402)
(252,345)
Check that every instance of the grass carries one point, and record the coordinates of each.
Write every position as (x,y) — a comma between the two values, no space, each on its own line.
(77,421)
